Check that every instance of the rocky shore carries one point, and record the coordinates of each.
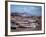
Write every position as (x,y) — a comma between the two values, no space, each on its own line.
(26,23)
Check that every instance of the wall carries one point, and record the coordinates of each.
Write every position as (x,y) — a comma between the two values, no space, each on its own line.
(28,0)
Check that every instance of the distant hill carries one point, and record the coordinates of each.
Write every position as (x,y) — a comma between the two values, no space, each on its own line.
(21,14)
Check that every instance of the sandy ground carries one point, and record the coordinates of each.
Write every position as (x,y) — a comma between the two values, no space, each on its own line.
(25,29)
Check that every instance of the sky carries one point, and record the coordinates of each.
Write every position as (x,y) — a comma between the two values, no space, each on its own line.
(34,10)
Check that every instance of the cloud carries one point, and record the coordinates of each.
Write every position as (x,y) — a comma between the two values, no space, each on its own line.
(34,10)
